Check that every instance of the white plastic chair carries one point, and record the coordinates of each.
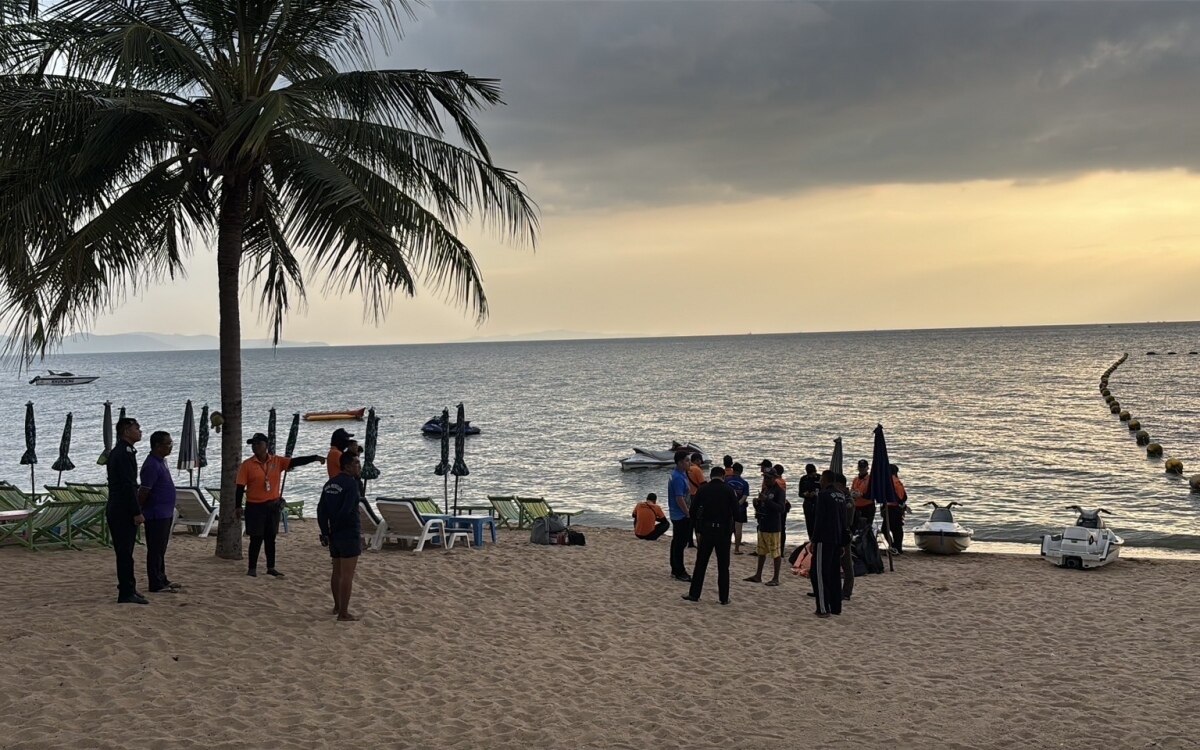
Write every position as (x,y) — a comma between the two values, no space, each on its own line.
(401,521)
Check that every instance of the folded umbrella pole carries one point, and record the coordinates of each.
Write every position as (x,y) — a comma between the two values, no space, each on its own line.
(29,458)
(443,467)
(63,463)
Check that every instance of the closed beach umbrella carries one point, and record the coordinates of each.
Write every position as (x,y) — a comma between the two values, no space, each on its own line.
(121,415)
(202,443)
(63,462)
(443,467)
(29,458)
(882,490)
(108,434)
(293,436)
(271,431)
(187,443)
(371,444)
(835,462)
(460,448)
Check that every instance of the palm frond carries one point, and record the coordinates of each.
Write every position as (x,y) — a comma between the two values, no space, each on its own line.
(270,259)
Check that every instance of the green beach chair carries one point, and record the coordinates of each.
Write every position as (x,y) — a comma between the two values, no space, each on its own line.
(536,507)
(12,498)
(46,524)
(508,511)
(87,520)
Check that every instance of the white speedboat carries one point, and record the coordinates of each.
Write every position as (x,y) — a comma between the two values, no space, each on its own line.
(941,534)
(1087,544)
(63,378)
(645,459)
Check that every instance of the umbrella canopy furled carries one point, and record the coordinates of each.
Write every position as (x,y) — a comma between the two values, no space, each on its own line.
(121,415)
(835,461)
(443,467)
(108,434)
(293,436)
(29,458)
(187,441)
(460,445)
(202,439)
(882,491)
(369,470)
(271,431)
(63,463)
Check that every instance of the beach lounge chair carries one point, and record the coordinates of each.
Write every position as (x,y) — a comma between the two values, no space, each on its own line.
(534,508)
(12,498)
(400,520)
(194,511)
(508,511)
(46,525)
(86,519)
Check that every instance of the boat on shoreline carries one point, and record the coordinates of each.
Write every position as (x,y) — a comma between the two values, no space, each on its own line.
(941,534)
(63,378)
(335,416)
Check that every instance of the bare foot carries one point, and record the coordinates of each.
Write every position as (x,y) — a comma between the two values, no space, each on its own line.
(347,618)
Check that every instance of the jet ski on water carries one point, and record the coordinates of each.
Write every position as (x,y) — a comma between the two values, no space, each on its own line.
(433,428)
(1087,544)
(941,534)
(644,458)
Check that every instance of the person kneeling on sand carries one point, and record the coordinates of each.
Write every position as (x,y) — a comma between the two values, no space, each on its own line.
(341,530)
(768,507)
(649,521)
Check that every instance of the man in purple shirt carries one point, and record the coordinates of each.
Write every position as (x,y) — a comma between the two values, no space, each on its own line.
(156,495)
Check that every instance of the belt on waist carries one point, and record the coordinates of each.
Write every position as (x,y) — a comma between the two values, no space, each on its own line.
(263,502)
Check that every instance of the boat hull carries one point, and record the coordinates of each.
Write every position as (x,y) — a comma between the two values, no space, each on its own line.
(648,459)
(41,380)
(334,416)
(942,542)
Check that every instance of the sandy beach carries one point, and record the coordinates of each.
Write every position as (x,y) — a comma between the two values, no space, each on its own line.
(524,646)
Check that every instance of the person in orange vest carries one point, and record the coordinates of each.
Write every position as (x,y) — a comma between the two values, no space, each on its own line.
(860,492)
(696,478)
(649,522)
(896,511)
(259,481)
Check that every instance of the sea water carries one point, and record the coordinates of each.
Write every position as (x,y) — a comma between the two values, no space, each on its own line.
(1009,422)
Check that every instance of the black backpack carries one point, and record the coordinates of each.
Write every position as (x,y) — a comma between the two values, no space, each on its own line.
(865,552)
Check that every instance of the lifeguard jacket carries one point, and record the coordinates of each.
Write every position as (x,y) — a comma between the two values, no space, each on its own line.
(901,493)
(862,486)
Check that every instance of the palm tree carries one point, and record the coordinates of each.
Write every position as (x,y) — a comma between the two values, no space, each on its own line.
(131,130)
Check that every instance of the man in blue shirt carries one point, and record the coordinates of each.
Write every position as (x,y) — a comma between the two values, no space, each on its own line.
(678,494)
(156,495)
(741,488)
(341,531)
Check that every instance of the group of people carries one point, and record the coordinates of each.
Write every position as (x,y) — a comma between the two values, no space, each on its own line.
(145,497)
(710,511)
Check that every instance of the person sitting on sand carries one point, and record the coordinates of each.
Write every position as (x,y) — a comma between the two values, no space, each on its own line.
(768,509)
(649,521)
(741,490)
(341,530)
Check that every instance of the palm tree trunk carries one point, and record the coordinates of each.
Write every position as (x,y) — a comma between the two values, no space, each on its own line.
(231,224)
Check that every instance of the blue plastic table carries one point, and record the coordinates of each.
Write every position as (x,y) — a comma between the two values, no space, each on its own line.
(476,524)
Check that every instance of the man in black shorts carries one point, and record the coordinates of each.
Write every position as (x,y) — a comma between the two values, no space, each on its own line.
(341,531)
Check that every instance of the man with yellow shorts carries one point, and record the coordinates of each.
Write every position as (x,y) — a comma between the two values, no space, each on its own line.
(768,510)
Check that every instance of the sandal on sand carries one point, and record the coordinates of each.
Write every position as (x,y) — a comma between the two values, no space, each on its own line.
(772,583)
(752,579)
(738,552)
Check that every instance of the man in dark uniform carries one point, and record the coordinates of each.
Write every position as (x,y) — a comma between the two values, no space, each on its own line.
(123,511)
(826,528)
(713,512)
(341,530)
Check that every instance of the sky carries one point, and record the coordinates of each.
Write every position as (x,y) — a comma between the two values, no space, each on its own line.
(734,166)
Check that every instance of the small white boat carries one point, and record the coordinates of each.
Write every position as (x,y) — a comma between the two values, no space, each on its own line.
(63,378)
(1087,544)
(941,534)
(648,459)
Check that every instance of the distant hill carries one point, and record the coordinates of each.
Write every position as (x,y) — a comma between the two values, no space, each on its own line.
(159,342)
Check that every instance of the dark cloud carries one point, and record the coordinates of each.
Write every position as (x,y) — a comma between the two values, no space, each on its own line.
(661,102)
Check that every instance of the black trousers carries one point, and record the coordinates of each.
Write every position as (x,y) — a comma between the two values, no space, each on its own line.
(826,578)
(712,539)
(681,535)
(866,516)
(158,535)
(262,521)
(847,572)
(895,519)
(123,532)
(660,528)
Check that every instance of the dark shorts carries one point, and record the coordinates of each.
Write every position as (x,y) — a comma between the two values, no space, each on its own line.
(739,516)
(345,546)
(261,518)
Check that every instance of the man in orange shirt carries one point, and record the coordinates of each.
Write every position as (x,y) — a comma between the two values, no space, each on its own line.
(696,478)
(895,512)
(860,491)
(258,480)
(649,522)
(338,443)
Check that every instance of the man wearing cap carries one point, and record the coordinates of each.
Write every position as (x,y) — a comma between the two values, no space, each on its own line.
(768,507)
(258,480)
(338,443)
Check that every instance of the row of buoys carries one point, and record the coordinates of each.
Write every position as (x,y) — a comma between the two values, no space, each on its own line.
(1142,437)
